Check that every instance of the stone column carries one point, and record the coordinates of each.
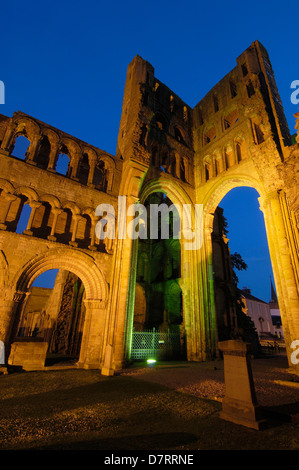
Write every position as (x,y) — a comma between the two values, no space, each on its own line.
(92,166)
(6,143)
(92,234)
(34,205)
(52,157)
(74,166)
(285,264)
(33,149)
(210,312)
(9,198)
(123,273)
(56,213)
(121,304)
(8,309)
(92,340)
(76,219)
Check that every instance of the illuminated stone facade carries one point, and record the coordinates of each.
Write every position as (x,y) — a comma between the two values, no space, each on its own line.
(235,136)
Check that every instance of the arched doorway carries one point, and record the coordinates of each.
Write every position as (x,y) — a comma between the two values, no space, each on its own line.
(54,312)
(194,329)
(73,320)
(158,313)
(242,271)
(273,207)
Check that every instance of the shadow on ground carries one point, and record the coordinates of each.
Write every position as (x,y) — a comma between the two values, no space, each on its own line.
(82,410)
(157,441)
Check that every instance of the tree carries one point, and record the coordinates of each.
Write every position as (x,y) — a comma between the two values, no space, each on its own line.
(246,326)
(239,264)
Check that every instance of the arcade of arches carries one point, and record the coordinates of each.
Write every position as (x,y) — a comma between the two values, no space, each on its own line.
(167,152)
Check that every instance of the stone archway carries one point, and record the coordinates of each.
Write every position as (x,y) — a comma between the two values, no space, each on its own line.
(279,236)
(195,330)
(96,289)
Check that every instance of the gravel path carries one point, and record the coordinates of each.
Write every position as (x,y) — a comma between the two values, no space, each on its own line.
(207,379)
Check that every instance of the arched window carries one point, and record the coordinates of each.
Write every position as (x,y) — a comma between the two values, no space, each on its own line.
(259,136)
(178,135)
(42,221)
(230,119)
(250,89)
(164,161)
(182,170)
(100,176)
(207,172)
(43,153)
(216,103)
(233,88)
(83,234)
(63,164)
(238,152)
(23,216)
(83,170)
(229,157)
(210,135)
(20,147)
(63,229)
(173,165)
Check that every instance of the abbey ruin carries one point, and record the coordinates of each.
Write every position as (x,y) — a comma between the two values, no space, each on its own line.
(237,135)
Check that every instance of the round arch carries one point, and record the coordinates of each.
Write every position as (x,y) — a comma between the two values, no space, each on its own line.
(80,264)
(174,191)
(222,186)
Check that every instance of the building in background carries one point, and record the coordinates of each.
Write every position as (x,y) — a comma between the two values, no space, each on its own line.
(259,312)
(275,313)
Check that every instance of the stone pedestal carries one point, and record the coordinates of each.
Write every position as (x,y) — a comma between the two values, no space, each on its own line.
(239,404)
(31,355)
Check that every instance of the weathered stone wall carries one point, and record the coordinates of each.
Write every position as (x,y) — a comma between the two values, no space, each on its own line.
(235,136)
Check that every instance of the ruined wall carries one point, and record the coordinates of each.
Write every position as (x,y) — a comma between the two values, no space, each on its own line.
(60,230)
(235,136)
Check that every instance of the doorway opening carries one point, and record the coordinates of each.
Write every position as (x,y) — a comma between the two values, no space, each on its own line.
(158,314)
(54,312)
(245,295)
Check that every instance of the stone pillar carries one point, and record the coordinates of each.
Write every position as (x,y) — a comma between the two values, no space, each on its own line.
(34,205)
(52,157)
(239,404)
(8,308)
(124,267)
(56,213)
(8,198)
(92,340)
(74,232)
(6,143)
(92,167)
(74,166)
(92,234)
(285,265)
(210,311)
(32,150)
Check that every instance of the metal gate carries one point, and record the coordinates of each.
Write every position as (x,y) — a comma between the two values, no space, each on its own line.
(154,344)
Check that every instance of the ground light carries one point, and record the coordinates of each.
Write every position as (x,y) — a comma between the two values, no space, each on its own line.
(150,362)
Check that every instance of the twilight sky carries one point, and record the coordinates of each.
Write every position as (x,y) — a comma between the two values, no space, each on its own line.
(64,62)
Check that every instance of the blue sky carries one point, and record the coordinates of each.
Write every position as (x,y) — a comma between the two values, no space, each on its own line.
(64,62)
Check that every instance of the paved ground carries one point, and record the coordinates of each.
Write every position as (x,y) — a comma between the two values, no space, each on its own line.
(172,407)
